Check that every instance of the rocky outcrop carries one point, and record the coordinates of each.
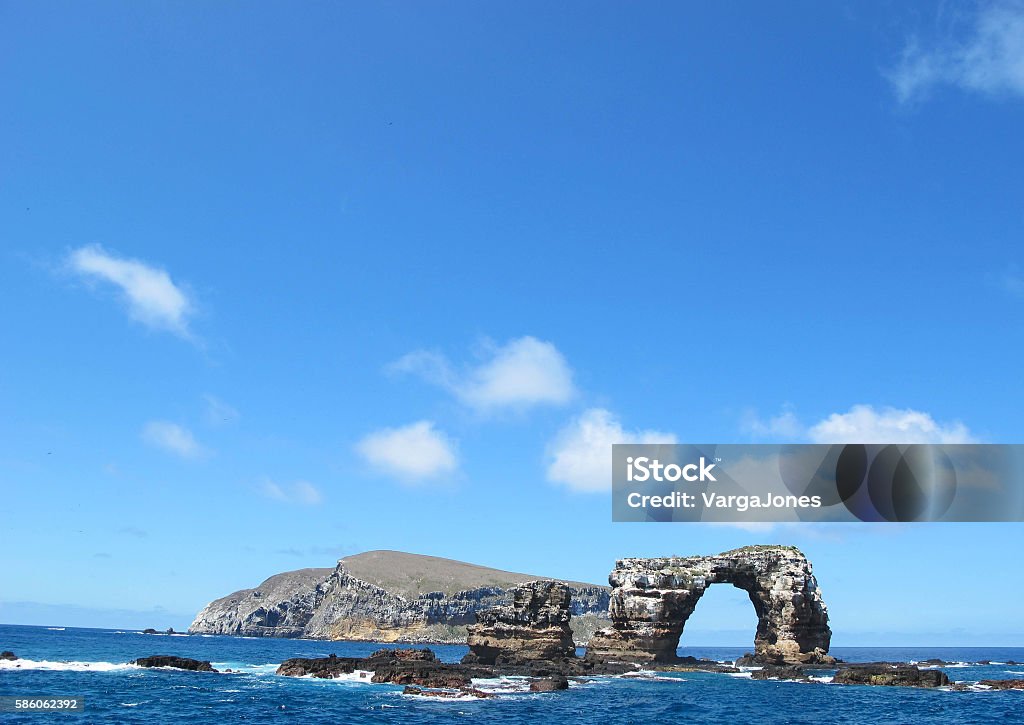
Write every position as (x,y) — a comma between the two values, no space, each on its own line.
(535,626)
(8,655)
(397,667)
(447,694)
(1002,684)
(893,675)
(653,598)
(335,604)
(178,663)
(325,668)
(550,684)
(421,670)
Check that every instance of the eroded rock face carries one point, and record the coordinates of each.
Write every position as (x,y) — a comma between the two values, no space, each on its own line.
(535,626)
(334,604)
(653,598)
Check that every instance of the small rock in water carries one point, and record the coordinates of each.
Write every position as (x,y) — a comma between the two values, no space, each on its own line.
(178,663)
(550,684)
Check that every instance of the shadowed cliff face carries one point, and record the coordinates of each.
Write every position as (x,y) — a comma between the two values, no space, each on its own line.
(653,598)
(335,604)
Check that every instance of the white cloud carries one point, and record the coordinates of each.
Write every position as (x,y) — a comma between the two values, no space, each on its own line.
(173,438)
(581,454)
(218,412)
(301,492)
(782,426)
(520,374)
(411,453)
(866,424)
(151,296)
(988,59)
(863,424)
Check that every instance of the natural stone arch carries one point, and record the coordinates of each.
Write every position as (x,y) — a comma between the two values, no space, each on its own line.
(653,598)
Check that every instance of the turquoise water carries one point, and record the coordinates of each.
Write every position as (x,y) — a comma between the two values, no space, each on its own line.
(89,663)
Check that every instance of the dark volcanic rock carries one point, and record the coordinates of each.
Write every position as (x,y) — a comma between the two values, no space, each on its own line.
(428,674)
(322,667)
(398,667)
(8,655)
(692,664)
(405,655)
(149,630)
(884,673)
(779,672)
(653,598)
(1003,684)
(421,692)
(535,626)
(178,663)
(549,684)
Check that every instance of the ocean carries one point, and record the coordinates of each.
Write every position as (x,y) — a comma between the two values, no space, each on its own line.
(89,663)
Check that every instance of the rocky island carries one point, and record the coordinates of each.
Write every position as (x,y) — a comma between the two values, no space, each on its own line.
(383,596)
(528,636)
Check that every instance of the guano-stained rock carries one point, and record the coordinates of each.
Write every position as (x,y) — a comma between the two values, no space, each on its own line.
(535,626)
(652,599)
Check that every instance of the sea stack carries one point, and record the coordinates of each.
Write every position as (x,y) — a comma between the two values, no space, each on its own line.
(534,627)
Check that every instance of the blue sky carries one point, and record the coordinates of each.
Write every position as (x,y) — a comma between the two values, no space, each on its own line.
(282,283)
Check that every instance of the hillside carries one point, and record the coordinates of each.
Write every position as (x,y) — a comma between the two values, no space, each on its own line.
(410,575)
(381,596)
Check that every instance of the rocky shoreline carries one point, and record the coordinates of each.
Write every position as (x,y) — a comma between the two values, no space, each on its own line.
(527,633)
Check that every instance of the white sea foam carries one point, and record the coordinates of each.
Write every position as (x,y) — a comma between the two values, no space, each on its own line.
(501,685)
(1014,672)
(456,698)
(746,675)
(244,668)
(363,676)
(56,629)
(823,678)
(650,676)
(73,666)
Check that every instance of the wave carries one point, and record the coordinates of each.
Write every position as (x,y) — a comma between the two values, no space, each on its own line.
(71,666)
(501,685)
(56,629)
(445,698)
(650,676)
(363,676)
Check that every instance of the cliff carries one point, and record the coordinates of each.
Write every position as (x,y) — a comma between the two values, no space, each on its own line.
(382,596)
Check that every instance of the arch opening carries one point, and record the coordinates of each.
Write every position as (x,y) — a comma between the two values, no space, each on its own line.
(724,616)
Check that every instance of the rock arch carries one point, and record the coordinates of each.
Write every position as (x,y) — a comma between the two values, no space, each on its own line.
(653,598)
